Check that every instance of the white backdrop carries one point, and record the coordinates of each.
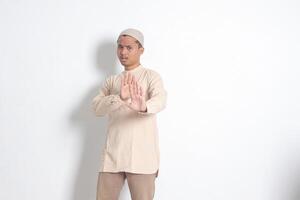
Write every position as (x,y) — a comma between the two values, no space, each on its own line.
(231,129)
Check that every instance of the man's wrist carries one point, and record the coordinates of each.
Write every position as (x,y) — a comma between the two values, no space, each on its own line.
(123,99)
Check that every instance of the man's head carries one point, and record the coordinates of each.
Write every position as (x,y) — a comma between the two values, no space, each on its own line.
(130,47)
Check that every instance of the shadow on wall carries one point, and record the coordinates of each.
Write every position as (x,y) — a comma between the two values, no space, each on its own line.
(92,128)
(295,189)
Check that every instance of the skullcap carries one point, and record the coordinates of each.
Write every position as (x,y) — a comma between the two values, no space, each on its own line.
(138,35)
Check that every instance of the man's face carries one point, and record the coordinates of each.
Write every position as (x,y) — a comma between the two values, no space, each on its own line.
(128,51)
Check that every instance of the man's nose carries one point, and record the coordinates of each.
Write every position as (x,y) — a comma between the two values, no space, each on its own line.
(123,51)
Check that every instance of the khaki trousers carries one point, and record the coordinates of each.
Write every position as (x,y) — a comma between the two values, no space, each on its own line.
(141,186)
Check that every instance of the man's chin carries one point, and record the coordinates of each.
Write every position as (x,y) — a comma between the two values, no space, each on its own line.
(125,64)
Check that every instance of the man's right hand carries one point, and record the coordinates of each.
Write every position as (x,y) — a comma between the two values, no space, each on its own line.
(126,81)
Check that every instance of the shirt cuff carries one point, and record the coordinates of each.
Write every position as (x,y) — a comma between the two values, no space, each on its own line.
(145,112)
(115,100)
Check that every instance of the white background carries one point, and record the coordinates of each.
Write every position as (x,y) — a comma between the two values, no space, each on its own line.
(231,129)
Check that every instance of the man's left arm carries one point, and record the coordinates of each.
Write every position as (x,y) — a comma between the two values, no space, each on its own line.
(157,95)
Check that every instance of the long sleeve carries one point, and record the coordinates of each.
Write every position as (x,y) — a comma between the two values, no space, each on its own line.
(105,103)
(157,94)
(132,143)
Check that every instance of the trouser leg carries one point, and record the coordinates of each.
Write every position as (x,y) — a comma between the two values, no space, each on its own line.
(110,185)
(141,186)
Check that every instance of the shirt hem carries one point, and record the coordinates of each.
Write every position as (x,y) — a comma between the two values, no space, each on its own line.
(156,172)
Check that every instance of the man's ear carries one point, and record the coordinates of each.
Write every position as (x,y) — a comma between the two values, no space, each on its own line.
(141,50)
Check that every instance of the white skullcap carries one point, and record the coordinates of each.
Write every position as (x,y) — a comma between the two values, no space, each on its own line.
(138,35)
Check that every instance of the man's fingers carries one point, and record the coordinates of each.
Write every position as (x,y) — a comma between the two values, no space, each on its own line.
(141,91)
(137,88)
(133,80)
(122,81)
(134,88)
(125,78)
(129,80)
(131,90)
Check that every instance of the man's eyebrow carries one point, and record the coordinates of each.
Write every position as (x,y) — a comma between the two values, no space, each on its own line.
(124,45)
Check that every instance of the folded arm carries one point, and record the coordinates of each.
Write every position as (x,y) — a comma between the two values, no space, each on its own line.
(105,103)
(157,95)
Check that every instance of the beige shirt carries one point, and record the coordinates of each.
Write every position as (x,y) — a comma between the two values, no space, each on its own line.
(132,137)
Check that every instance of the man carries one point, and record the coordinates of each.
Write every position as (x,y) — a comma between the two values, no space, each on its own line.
(131,100)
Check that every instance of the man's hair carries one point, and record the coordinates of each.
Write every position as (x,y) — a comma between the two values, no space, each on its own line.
(136,41)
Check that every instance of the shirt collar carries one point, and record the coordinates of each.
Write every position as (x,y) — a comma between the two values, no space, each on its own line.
(138,68)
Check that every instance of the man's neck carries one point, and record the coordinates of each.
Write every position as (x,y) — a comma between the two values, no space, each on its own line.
(132,67)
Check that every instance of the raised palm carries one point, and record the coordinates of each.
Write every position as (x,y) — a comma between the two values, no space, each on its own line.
(125,84)
(131,89)
(138,102)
